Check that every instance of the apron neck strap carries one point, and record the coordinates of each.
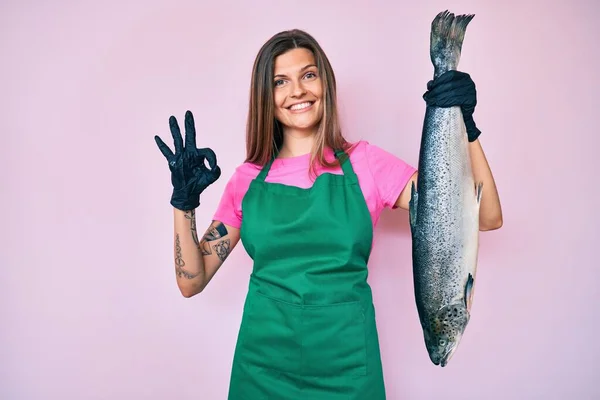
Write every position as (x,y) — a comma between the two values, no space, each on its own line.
(265,170)
(344,160)
(341,155)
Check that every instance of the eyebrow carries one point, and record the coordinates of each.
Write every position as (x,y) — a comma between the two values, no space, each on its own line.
(301,69)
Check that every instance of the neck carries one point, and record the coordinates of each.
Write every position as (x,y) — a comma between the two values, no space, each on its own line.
(296,143)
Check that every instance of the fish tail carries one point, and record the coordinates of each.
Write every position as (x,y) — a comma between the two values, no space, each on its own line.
(447,36)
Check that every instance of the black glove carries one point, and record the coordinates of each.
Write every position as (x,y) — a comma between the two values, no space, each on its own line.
(454,88)
(189,174)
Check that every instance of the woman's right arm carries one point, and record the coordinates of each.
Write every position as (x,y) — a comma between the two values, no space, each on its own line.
(198,259)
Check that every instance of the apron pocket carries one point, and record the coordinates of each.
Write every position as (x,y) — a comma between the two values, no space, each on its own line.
(334,340)
(270,335)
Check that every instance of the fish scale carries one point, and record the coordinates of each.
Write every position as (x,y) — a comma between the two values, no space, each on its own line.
(444,209)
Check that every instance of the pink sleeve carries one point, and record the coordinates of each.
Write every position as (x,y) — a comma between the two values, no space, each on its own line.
(229,210)
(390,173)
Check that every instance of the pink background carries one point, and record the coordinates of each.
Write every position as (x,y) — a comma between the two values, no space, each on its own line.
(89,305)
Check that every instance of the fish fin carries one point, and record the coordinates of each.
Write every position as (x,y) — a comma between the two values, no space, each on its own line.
(412,206)
(469,292)
(478,191)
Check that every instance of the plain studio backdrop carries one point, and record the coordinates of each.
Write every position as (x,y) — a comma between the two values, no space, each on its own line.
(89,306)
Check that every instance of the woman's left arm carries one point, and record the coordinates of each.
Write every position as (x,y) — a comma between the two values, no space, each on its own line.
(455,88)
(490,212)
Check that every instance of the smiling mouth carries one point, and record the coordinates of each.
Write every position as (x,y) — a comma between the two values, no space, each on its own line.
(300,107)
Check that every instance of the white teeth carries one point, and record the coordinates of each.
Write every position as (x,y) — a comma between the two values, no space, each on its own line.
(300,106)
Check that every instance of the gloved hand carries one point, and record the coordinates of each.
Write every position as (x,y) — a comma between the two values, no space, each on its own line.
(189,174)
(454,88)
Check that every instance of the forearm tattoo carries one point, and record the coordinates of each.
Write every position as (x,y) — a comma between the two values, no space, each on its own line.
(213,239)
(191,215)
(222,249)
(179,263)
(178,256)
(215,233)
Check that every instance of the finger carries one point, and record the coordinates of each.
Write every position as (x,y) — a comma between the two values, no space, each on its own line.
(164,149)
(210,156)
(190,131)
(215,174)
(176,132)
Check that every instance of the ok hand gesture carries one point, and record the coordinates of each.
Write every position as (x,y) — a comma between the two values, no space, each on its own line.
(189,175)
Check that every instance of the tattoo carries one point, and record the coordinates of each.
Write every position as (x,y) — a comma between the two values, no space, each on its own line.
(213,233)
(178,257)
(205,247)
(222,249)
(182,273)
(191,215)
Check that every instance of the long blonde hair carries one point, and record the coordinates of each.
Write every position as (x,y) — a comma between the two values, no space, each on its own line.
(264,134)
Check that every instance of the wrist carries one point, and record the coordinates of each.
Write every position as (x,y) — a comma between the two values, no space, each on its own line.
(184,201)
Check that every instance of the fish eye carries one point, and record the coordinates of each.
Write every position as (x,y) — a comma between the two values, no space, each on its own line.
(442,342)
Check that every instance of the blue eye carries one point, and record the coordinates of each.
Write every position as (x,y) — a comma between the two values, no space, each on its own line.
(310,73)
(278,82)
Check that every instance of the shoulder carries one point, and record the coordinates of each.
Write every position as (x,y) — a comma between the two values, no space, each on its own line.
(239,180)
(364,148)
(374,156)
(248,169)
(229,209)
(244,172)
(389,173)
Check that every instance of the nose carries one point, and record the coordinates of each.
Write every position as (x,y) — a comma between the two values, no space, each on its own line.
(298,90)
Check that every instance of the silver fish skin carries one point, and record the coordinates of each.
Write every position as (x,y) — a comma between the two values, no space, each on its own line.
(444,209)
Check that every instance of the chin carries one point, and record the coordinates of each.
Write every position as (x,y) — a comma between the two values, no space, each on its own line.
(301,126)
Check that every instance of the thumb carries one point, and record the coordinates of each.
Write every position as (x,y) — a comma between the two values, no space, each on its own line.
(214,174)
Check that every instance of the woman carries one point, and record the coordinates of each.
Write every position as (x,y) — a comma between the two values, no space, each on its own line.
(308,330)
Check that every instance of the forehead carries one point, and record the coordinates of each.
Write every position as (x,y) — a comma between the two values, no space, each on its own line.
(293,60)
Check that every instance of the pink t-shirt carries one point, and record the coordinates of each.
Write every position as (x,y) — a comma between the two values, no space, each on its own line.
(381,175)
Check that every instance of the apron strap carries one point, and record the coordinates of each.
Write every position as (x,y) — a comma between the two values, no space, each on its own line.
(265,170)
(346,165)
(267,167)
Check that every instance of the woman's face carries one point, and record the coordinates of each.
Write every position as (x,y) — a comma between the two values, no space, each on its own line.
(297,91)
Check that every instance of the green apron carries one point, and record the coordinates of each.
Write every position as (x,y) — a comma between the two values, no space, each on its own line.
(308,329)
